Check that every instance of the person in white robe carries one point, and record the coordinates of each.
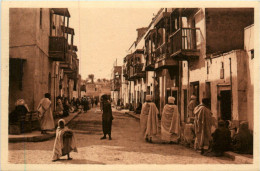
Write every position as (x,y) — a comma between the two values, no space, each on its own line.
(170,123)
(64,142)
(45,114)
(149,119)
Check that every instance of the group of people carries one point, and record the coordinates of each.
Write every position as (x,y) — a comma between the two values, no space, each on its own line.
(207,142)
(65,141)
(170,121)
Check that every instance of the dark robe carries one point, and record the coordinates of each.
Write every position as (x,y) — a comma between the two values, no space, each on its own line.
(107,118)
(221,140)
(243,140)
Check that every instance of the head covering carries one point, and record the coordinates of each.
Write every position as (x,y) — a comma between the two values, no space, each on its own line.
(193,97)
(20,102)
(171,99)
(148,98)
(221,123)
(61,120)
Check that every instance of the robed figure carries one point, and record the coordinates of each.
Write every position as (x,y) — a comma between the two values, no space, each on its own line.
(149,119)
(170,123)
(45,114)
(107,118)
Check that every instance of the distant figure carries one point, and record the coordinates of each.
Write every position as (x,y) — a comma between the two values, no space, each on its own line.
(45,114)
(96,102)
(64,142)
(92,102)
(221,140)
(107,118)
(139,108)
(59,108)
(243,140)
(66,108)
(192,104)
(203,123)
(149,119)
(170,123)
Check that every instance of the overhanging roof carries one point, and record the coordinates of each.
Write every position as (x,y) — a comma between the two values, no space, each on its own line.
(61,11)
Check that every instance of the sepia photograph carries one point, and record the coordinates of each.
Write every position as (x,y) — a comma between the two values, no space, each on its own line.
(141,85)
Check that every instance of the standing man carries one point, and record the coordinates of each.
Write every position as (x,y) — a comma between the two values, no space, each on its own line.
(107,118)
(45,114)
(192,104)
(203,123)
(149,119)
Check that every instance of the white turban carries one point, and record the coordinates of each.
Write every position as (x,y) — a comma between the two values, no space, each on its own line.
(171,99)
(193,97)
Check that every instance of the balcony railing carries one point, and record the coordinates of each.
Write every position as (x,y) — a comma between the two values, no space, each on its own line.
(183,43)
(161,51)
(138,71)
(67,65)
(58,47)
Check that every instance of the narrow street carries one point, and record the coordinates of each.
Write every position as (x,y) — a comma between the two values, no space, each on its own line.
(126,146)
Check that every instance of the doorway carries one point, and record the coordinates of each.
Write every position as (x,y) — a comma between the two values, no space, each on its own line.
(225,104)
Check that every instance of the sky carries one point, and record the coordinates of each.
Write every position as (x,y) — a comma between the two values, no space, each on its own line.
(103,35)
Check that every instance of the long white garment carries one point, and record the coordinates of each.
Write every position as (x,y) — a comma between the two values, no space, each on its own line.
(46,117)
(144,117)
(58,144)
(170,123)
(152,121)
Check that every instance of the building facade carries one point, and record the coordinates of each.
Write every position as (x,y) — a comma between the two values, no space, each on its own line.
(206,52)
(42,56)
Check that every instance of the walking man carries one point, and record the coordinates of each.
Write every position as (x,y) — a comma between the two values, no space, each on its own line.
(170,123)
(45,114)
(203,122)
(107,118)
(149,119)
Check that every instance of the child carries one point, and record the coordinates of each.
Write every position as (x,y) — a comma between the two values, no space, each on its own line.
(64,142)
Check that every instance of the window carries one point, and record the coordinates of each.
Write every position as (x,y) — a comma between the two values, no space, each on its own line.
(252,54)
(40,17)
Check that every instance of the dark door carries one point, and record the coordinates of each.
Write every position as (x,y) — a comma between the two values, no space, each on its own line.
(185,103)
(175,95)
(225,105)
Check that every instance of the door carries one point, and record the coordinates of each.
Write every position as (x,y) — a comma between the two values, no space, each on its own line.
(225,104)
(185,103)
(175,95)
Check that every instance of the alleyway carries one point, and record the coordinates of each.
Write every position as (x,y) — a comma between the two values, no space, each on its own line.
(126,147)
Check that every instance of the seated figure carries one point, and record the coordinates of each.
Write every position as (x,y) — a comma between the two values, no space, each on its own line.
(243,140)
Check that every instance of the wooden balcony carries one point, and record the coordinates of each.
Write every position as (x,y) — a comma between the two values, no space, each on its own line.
(162,58)
(149,66)
(183,44)
(58,47)
(138,71)
(131,74)
(67,65)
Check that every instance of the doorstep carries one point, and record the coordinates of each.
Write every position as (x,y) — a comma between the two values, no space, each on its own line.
(36,136)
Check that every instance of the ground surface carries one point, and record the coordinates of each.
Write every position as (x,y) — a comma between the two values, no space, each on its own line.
(126,147)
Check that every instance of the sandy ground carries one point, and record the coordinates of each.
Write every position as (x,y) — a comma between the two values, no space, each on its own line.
(126,146)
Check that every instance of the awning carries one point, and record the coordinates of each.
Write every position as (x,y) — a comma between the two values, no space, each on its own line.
(160,17)
(61,11)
